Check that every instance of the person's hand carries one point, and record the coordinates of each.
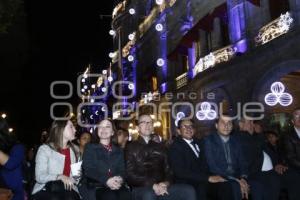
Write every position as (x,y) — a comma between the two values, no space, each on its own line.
(160,189)
(216,179)
(280,169)
(114,183)
(244,188)
(67,181)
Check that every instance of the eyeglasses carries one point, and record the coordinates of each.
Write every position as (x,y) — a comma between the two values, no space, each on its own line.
(187,126)
(144,122)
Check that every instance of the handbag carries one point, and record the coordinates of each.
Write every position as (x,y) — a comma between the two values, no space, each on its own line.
(55,186)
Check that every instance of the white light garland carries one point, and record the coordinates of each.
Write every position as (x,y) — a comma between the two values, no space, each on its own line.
(278,95)
(274,29)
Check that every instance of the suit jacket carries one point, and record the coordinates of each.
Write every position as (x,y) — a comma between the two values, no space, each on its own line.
(216,159)
(146,164)
(253,147)
(48,164)
(187,167)
(292,148)
(97,162)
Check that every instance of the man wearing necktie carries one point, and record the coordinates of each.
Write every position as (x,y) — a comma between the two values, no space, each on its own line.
(189,165)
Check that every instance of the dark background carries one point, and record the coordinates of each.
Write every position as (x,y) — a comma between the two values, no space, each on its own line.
(48,41)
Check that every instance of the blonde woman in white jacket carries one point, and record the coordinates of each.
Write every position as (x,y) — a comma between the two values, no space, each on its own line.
(54,180)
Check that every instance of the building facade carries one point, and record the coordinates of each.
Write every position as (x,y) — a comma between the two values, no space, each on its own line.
(192,51)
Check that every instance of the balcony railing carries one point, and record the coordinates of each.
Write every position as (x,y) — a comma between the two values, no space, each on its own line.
(216,57)
(274,29)
(181,80)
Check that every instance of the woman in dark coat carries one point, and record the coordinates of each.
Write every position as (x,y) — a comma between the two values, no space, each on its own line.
(103,165)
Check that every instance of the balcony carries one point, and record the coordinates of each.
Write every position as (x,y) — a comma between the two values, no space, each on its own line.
(181,80)
(274,29)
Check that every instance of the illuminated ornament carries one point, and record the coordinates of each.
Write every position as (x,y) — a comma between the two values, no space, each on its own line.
(10,130)
(93,86)
(91,130)
(91,116)
(179,116)
(110,79)
(112,32)
(103,89)
(111,55)
(206,113)
(85,87)
(160,62)
(159,2)
(92,100)
(159,27)
(3,116)
(104,72)
(274,29)
(131,86)
(97,112)
(83,111)
(132,11)
(82,90)
(83,80)
(278,95)
(131,36)
(130,58)
(103,109)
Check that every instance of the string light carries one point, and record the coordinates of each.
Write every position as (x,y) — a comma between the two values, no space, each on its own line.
(278,95)
(159,27)
(3,115)
(160,62)
(112,32)
(104,71)
(93,86)
(110,79)
(131,86)
(10,130)
(132,11)
(130,58)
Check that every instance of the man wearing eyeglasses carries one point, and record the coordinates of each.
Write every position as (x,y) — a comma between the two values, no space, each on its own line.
(148,171)
(189,165)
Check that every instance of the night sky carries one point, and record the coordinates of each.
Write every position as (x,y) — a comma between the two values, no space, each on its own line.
(53,40)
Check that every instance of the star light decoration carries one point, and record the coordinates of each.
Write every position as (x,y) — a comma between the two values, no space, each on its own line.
(206,112)
(278,95)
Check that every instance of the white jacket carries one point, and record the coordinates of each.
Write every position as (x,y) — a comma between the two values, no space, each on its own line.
(48,164)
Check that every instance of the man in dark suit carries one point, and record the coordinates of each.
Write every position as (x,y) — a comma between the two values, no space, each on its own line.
(292,147)
(147,167)
(225,158)
(188,163)
(265,182)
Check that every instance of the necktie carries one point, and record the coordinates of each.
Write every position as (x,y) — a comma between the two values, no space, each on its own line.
(195,146)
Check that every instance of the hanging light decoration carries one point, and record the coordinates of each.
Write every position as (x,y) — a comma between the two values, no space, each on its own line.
(132,11)
(159,2)
(112,32)
(278,95)
(130,58)
(159,27)
(160,62)
(206,113)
